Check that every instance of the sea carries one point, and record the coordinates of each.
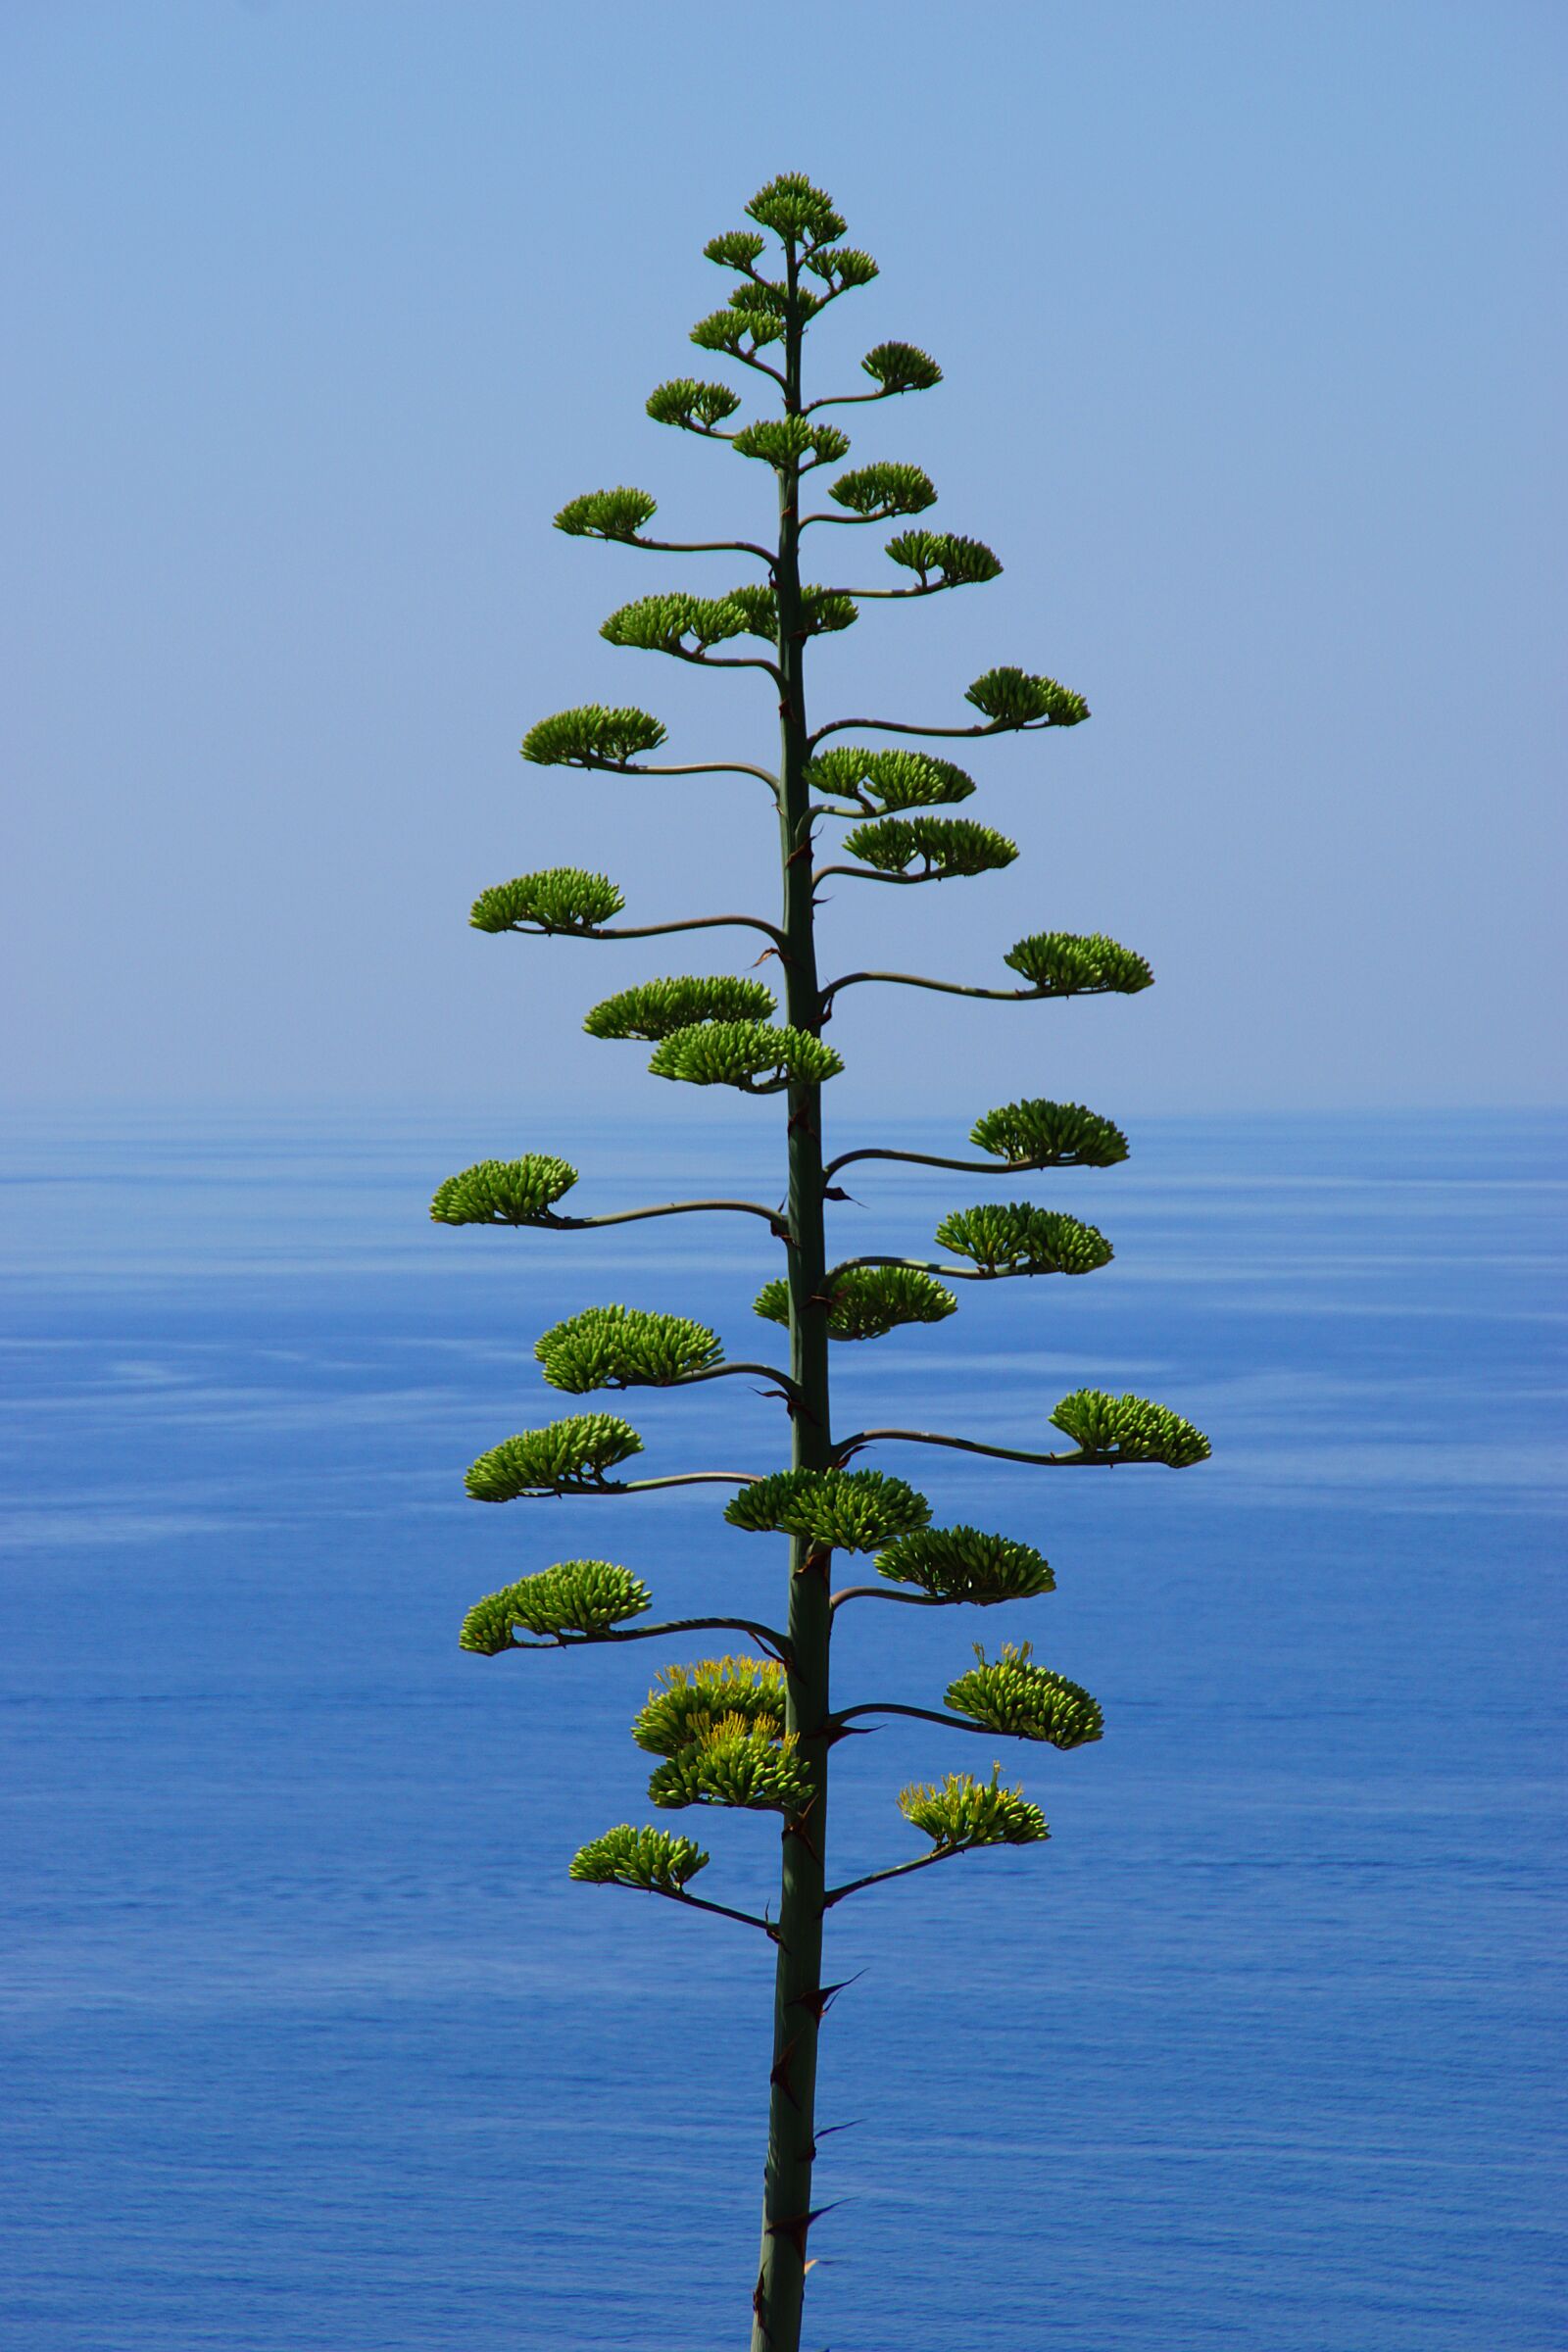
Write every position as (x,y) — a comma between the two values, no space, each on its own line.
(309,2044)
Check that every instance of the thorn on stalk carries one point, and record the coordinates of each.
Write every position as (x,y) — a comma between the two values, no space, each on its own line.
(780,2076)
(796,2227)
(819,2001)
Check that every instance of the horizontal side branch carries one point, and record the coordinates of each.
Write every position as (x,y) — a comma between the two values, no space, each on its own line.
(909,1601)
(672,1208)
(768,1635)
(700,547)
(899,1870)
(692,922)
(870,873)
(930,1159)
(788,1389)
(640,1486)
(697,1902)
(1000,1453)
(954,1723)
(708,767)
(932,1265)
(701,661)
(898,726)
(945,988)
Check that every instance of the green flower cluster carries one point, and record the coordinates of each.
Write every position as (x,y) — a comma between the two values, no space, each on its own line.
(901,368)
(736,249)
(877,493)
(755,1057)
(880,783)
(662,624)
(578,1596)
(566,1457)
(737,1764)
(1013,698)
(592,737)
(784,441)
(623,1347)
(737,332)
(842,266)
(797,213)
(1020,1239)
(962,1811)
(607,514)
(955,561)
(960,1563)
(1129,1429)
(846,1511)
(865,1301)
(503,1192)
(652,1860)
(563,898)
(943,846)
(1036,1134)
(1060,963)
(655,1008)
(696,408)
(1026,1701)
(686,1701)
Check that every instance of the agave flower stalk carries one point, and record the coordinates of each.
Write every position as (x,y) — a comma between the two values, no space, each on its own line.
(756,1731)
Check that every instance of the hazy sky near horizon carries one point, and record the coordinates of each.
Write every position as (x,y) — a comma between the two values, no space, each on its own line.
(1251,324)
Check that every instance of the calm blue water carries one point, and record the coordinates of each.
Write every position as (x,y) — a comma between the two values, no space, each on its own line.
(309,2042)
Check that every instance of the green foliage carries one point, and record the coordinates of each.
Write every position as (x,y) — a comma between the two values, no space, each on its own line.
(865,1301)
(773,300)
(578,1597)
(900,367)
(687,1701)
(1036,1134)
(962,1811)
(957,562)
(877,493)
(1129,1429)
(1020,1239)
(649,1859)
(1026,1701)
(755,1057)
(944,848)
(1061,964)
(623,1348)
(503,1192)
(696,408)
(880,782)
(737,332)
(592,737)
(662,624)
(607,514)
(827,609)
(655,1008)
(562,897)
(823,610)
(737,1764)
(568,1457)
(786,441)
(797,213)
(1014,698)
(736,249)
(960,1563)
(843,267)
(846,1511)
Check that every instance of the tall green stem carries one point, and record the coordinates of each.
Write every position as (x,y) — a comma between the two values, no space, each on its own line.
(798,1989)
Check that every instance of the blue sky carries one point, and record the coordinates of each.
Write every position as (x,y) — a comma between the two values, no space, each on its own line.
(1251,324)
